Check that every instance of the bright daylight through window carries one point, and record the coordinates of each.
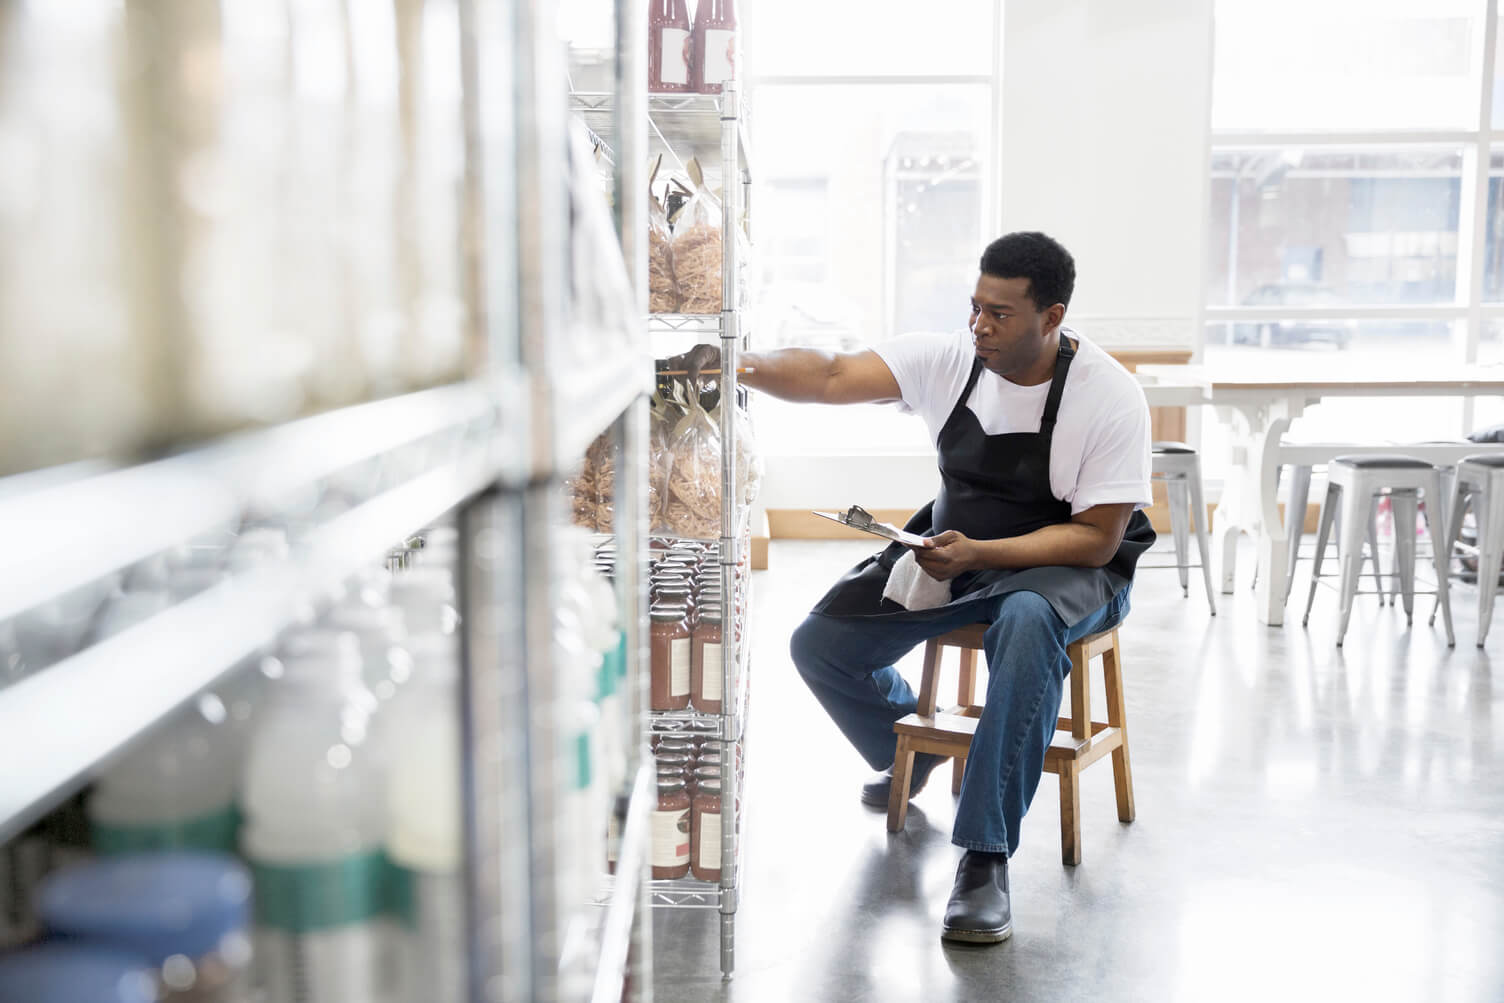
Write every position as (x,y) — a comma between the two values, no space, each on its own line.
(1337,234)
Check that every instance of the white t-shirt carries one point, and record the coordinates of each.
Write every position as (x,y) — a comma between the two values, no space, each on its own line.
(1099,454)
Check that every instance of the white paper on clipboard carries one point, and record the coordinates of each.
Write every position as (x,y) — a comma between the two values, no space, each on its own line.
(867,524)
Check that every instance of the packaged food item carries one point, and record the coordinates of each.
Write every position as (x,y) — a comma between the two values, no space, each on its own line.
(697,257)
(714,45)
(314,829)
(593,490)
(749,465)
(693,500)
(669,66)
(705,830)
(705,662)
(670,828)
(663,294)
(660,462)
(669,643)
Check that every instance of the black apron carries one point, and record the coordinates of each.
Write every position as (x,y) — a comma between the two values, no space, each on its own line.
(993,487)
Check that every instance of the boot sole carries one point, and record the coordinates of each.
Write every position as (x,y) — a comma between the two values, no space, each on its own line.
(977,936)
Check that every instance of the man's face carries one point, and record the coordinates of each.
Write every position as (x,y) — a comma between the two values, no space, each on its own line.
(1009,332)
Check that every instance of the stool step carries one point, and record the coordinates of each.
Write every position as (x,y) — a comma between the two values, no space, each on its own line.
(951,734)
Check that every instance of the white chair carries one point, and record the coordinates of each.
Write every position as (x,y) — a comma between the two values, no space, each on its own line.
(1480,482)
(1179,466)
(1354,483)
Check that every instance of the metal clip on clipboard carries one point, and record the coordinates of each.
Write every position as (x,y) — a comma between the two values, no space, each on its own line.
(857,517)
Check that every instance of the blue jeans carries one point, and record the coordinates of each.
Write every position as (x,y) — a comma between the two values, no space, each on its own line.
(848,664)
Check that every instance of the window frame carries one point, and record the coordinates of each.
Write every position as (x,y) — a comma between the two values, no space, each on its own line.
(1477,145)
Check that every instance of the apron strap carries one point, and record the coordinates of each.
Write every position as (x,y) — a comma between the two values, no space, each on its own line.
(1057,385)
(971,383)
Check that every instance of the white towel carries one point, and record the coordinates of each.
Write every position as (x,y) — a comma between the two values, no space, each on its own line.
(911,586)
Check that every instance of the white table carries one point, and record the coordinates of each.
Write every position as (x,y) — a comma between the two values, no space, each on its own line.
(1259,409)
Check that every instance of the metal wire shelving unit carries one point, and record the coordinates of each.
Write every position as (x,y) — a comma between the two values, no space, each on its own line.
(491,451)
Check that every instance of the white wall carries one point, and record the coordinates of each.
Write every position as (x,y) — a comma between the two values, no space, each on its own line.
(1103,145)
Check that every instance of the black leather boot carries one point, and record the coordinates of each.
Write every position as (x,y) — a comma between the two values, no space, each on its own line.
(876,791)
(978,911)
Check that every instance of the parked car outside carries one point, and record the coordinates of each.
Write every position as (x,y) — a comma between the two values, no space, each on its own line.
(1286,332)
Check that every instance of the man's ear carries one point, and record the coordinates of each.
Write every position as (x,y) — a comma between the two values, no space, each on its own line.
(1054,317)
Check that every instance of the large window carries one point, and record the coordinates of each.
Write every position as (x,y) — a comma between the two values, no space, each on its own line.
(873,139)
(1341,213)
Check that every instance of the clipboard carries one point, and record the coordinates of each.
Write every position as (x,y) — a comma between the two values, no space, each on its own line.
(859,518)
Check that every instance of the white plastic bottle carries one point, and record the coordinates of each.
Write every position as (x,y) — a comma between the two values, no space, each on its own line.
(314,829)
(176,789)
(424,809)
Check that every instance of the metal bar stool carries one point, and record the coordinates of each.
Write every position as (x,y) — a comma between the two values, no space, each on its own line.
(1480,483)
(1295,521)
(1354,484)
(1079,741)
(1179,466)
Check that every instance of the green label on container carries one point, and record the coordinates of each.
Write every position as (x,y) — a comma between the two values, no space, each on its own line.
(302,899)
(213,832)
(582,761)
(399,896)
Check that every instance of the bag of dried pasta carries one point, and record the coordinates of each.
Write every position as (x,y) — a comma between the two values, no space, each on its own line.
(592,491)
(662,420)
(663,295)
(697,248)
(693,503)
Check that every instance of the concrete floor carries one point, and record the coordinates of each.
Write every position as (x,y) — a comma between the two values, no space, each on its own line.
(1313,823)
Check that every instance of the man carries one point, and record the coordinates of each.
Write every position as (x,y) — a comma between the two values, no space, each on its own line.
(1043,443)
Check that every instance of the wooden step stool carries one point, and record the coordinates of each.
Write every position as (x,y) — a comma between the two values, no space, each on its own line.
(1079,741)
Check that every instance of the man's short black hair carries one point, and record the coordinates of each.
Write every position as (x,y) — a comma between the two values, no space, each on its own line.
(1049,267)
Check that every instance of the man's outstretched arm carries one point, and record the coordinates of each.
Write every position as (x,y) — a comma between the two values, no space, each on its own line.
(806,375)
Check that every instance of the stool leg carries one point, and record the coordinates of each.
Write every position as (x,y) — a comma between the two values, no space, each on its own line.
(898,793)
(1440,556)
(1203,540)
(1070,814)
(1453,530)
(1329,506)
(1122,769)
(1295,519)
(1350,555)
(1489,510)
(1403,505)
(1180,527)
(1373,551)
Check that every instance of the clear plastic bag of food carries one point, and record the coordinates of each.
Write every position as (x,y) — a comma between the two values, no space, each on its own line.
(697,249)
(692,504)
(660,462)
(748,460)
(663,294)
(592,492)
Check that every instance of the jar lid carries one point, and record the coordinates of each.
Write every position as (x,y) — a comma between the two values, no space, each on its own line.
(672,758)
(708,785)
(711,613)
(675,744)
(667,786)
(61,971)
(668,612)
(155,905)
(703,773)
